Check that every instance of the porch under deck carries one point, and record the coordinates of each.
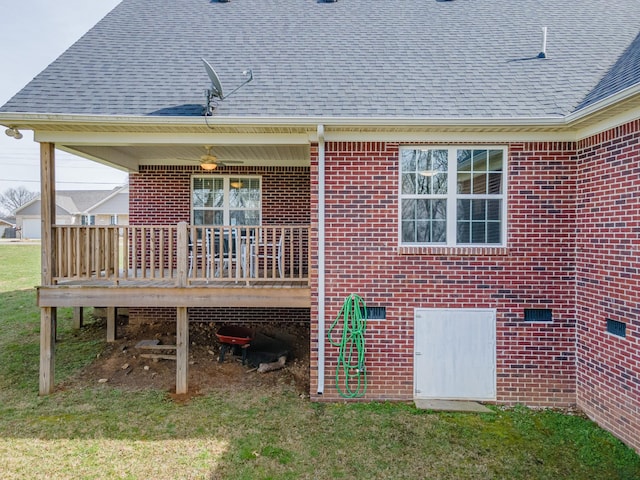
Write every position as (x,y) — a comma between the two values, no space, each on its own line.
(177,266)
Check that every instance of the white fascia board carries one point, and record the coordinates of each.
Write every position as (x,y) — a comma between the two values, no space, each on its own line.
(614,121)
(603,104)
(35,118)
(452,136)
(128,139)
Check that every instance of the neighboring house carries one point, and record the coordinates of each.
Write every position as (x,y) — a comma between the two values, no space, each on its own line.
(482,195)
(7,228)
(77,207)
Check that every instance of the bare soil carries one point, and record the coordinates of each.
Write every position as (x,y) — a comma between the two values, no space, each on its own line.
(121,364)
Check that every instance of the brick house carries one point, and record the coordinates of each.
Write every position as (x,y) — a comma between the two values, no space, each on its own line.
(473,176)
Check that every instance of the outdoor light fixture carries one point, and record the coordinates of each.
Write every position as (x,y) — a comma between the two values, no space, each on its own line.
(236,184)
(13,132)
(208,165)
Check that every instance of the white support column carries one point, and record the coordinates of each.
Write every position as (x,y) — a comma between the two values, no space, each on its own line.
(321,257)
(182,350)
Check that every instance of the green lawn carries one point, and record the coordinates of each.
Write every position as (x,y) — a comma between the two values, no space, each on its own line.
(102,432)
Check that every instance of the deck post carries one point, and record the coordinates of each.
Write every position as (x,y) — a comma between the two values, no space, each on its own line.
(47,256)
(182,350)
(181,256)
(47,211)
(111,324)
(78,313)
(47,349)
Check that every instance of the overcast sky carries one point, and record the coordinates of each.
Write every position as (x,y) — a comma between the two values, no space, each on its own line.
(33,33)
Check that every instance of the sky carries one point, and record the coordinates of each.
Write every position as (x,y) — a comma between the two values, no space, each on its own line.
(33,33)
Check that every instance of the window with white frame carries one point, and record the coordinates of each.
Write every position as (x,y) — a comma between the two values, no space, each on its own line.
(226,200)
(88,220)
(452,196)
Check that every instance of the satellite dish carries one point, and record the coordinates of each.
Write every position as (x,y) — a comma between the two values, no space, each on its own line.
(216,86)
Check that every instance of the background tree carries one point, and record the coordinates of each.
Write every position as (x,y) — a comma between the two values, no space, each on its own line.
(14,198)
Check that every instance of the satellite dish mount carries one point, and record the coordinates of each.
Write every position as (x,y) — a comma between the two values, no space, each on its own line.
(215,93)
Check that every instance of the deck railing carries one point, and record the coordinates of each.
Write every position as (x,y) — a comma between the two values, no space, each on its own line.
(184,254)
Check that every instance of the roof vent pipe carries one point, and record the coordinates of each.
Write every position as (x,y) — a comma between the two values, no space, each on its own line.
(543,52)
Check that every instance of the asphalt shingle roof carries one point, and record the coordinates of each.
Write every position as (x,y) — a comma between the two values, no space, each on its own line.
(351,58)
(69,201)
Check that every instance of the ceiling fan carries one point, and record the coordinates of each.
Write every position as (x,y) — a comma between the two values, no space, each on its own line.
(209,162)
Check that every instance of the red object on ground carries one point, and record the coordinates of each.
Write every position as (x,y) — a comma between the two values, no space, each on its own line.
(234,335)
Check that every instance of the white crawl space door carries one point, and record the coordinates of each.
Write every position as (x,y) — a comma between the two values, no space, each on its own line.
(455,354)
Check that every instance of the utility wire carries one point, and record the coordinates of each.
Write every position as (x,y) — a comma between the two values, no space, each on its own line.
(60,182)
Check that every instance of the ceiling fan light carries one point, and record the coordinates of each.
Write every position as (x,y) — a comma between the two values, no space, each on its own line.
(208,166)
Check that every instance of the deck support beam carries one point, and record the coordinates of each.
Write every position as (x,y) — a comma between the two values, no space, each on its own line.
(182,350)
(47,349)
(111,324)
(78,314)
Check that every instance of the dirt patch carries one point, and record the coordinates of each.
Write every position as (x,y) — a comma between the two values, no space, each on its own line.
(121,364)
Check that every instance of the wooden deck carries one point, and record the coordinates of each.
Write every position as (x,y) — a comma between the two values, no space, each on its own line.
(163,292)
(178,266)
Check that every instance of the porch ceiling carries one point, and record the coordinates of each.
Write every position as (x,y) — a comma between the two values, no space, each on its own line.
(131,157)
(130,146)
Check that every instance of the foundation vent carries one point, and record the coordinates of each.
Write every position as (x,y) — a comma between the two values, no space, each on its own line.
(537,315)
(376,313)
(616,328)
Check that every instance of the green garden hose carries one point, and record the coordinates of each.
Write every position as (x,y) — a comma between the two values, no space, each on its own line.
(351,368)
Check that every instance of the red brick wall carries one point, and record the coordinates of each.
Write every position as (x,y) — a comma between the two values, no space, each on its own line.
(232,315)
(161,195)
(608,279)
(535,362)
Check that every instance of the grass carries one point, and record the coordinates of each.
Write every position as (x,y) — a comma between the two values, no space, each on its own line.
(102,432)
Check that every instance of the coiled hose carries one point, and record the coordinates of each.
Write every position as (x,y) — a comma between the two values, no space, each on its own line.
(351,346)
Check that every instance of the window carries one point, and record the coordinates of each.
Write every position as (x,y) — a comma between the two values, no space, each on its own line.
(226,200)
(88,220)
(452,196)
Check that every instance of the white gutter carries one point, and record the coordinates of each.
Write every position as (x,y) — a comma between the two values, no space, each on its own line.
(46,118)
(603,103)
(321,264)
